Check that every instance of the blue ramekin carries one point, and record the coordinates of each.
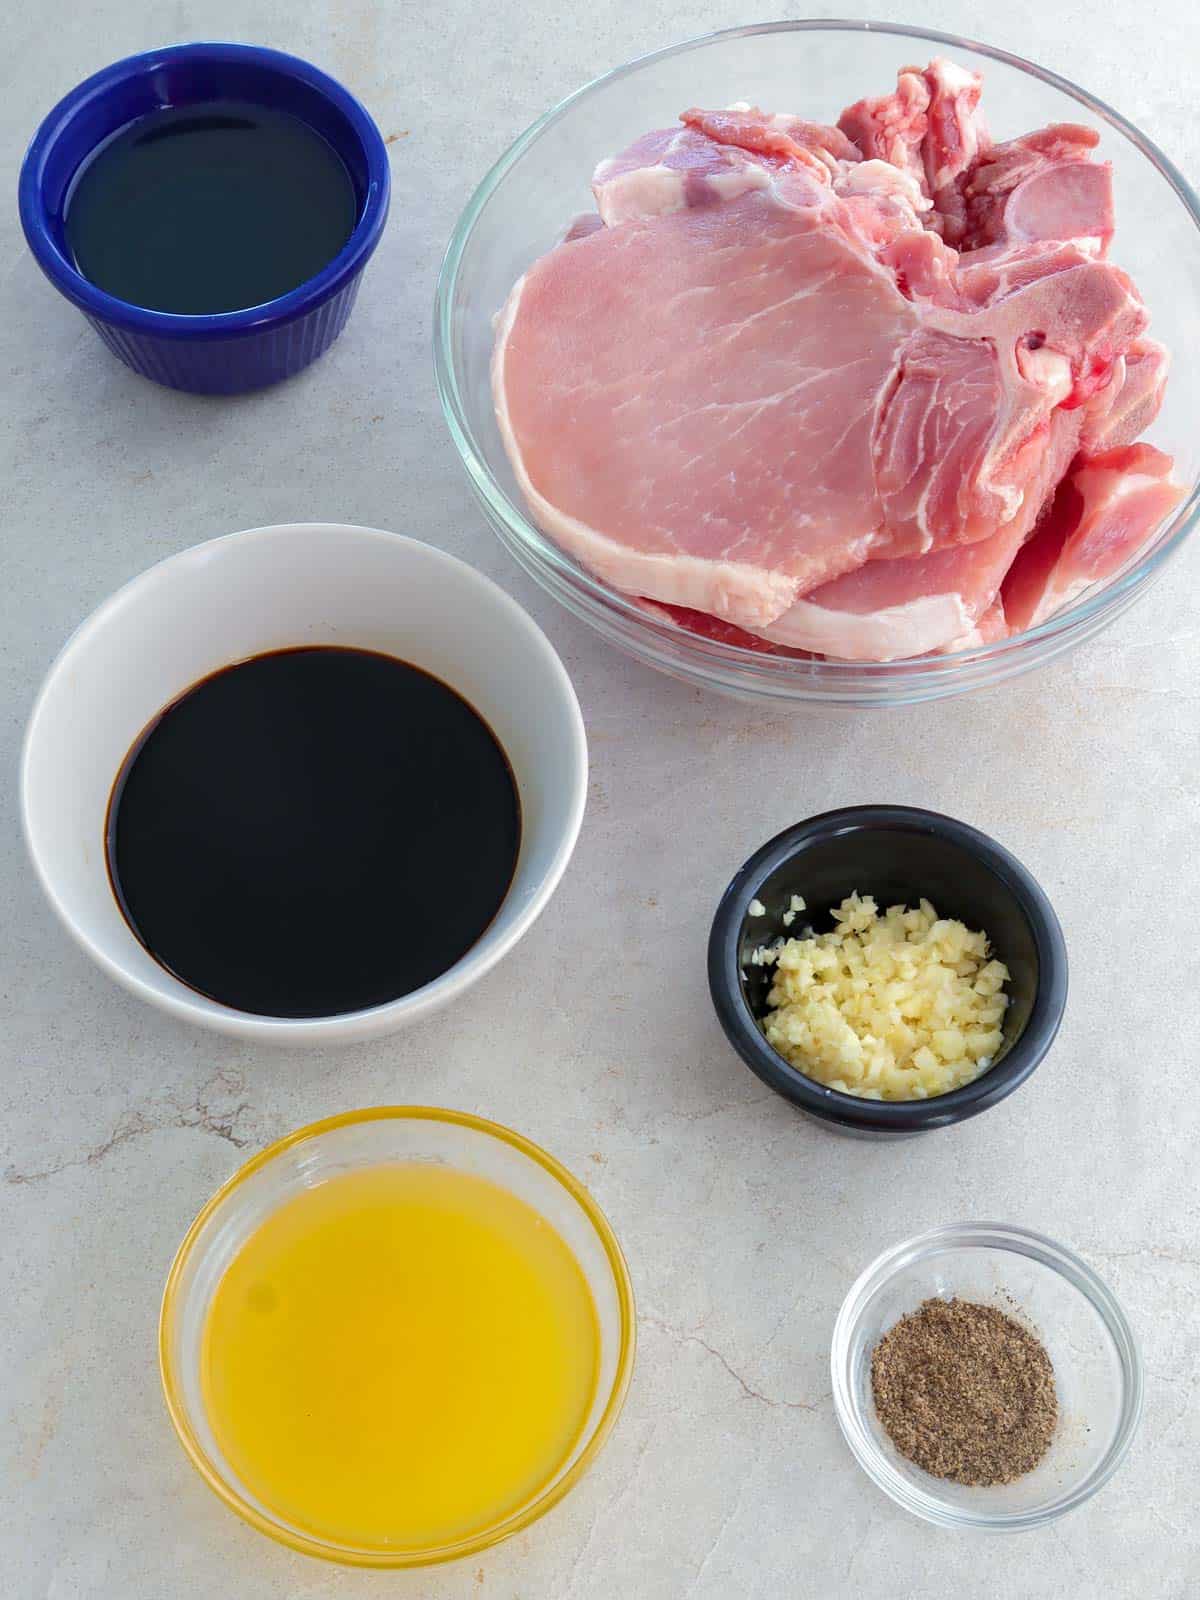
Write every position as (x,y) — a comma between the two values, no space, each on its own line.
(232,351)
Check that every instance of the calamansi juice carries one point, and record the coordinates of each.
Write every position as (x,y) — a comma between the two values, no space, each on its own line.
(400,1357)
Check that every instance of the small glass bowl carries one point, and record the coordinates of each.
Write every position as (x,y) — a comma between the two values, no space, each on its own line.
(525,202)
(384,1134)
(1097,1368)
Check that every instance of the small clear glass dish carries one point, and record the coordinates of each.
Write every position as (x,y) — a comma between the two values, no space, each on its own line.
(814,68)
(368,1138)
(1097,1368)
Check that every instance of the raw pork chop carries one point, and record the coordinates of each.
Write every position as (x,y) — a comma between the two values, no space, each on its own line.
(710,627)
(713,156)
(689,402)
(817,383)
(785,413)
(1102,514)
(890,609)
(932,128)
(990,629)
(1043,186)
(1129,404)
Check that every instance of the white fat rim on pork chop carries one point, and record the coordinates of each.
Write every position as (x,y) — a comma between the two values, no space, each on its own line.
(891,634)
(657,191)
(757,594)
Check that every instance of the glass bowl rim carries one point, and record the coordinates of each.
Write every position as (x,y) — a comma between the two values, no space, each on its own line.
(1015,1240)
(549,1497)
(714,656)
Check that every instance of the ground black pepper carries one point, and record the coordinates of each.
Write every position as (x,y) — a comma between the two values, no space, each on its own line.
(965,1392)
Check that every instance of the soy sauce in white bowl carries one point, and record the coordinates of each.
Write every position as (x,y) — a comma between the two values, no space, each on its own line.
(313,831)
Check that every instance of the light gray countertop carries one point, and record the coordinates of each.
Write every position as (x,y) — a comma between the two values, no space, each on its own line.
(744,1223)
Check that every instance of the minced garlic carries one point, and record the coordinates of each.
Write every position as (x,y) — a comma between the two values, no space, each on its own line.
(789,916)
(898,1007)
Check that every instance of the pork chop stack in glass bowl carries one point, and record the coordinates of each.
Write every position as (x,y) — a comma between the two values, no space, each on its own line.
(773,360)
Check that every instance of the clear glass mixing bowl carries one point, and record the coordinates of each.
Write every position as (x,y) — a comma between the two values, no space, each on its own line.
(523,205)
(1097,1368)
(357,1139)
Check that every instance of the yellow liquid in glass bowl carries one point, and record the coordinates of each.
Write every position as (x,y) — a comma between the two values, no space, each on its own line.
(400,1357)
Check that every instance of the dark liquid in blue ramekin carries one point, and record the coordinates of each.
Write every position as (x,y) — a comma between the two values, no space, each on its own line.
(204,209)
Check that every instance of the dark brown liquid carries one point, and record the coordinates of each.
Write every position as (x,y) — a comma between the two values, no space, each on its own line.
(204,209)
(312,832)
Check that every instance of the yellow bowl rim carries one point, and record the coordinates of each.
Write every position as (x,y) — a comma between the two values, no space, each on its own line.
(519,1519)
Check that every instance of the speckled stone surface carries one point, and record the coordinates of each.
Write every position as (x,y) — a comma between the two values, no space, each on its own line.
(744,1224)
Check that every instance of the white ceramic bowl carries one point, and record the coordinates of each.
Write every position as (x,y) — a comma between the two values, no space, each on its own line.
(300,584)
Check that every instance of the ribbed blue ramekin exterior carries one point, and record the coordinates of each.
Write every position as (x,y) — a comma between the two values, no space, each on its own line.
(235,351)
(232,366)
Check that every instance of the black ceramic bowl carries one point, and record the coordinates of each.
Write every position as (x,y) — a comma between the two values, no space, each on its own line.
(897,854)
